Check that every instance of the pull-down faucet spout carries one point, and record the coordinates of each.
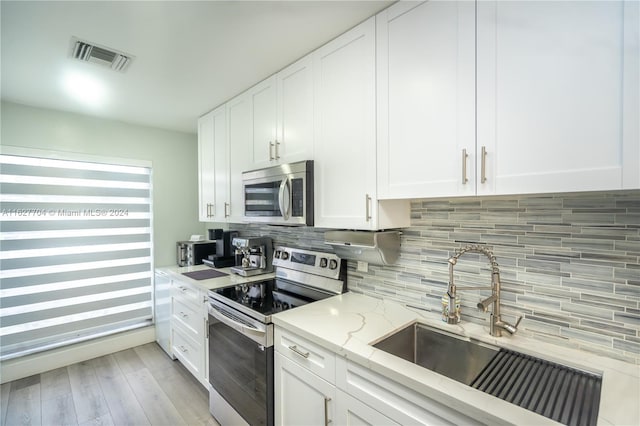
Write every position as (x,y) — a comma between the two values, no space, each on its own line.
(496,324)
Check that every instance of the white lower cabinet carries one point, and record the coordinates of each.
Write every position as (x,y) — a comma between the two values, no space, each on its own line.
(391,399)
(352,412)
(189,328)
(301,397)
(314,386)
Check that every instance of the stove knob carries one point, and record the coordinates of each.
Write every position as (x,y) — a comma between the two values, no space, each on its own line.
(333,264)
(323,262)
(284,255)
(277,254)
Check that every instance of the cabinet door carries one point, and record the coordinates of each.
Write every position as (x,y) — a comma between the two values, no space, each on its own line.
(263,119)
(426,99)
(221,164)
(294,140)
(351,412)
(301,397)
(555,96)
(345,139)
(240,135)
(206,167)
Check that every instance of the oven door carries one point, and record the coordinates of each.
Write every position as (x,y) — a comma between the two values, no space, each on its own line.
(241,363)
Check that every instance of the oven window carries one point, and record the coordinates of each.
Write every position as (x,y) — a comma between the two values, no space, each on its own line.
(241,371)
(261,199)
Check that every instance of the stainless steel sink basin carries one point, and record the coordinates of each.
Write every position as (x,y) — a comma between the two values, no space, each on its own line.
(452,356)
(564,394)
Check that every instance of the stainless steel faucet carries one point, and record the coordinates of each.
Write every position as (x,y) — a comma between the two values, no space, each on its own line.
(496,324)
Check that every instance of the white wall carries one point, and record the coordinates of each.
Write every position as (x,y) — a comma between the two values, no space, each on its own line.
(174,156)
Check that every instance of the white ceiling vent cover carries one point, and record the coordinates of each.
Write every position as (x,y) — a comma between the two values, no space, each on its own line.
(91,52)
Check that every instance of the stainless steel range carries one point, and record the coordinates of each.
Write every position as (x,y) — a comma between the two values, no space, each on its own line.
(241,331)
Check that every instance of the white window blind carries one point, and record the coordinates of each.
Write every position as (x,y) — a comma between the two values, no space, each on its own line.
(76,251)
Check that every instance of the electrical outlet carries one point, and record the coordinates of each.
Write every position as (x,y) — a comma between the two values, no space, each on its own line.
(362,266)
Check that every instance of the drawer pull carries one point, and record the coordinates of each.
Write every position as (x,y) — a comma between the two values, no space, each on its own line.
(327,420)
(183,315)
(295,349)
(183,349)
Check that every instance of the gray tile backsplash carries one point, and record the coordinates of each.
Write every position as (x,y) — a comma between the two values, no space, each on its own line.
(570,263)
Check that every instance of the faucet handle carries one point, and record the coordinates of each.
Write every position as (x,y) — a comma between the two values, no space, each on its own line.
(518,322)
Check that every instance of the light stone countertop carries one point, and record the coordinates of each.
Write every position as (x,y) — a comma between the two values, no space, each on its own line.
(214,283)
(348,323)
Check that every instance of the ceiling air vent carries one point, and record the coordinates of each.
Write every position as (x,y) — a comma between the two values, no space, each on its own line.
(91,52)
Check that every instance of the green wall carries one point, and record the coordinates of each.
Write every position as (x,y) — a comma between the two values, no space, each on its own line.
(174,156)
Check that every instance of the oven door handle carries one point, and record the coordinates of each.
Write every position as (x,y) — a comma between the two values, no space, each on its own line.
(256,334)
(285,202)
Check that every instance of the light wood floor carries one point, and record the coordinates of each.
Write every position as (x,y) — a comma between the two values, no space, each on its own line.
(139,386)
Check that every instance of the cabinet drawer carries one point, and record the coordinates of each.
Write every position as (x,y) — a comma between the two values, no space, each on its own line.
(399,403)
(188,352)
(186,293)
(307,354)
(187,316)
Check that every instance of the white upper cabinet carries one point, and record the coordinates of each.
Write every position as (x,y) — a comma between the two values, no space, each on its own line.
(553,108)
(263,120)
(240,136)
(557,96)
(213,170)
(282,116)
(345,135)
(426,99)
(206,170)
(294,141)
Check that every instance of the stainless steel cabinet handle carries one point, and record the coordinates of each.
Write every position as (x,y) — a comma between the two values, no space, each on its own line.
(299,352)
(327,420)
(270,151)
(277,145)
(464,166)
(483,165)
(183,349)
(226,209)
(367,207)
(183,315)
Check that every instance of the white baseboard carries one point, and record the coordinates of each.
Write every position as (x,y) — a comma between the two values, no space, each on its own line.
(29,365)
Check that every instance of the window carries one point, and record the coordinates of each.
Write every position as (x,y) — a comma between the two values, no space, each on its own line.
(76,258)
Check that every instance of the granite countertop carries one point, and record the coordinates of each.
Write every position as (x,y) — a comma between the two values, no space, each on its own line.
(212,283)
(348,323)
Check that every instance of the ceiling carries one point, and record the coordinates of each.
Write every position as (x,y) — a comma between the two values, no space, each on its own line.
(189,57)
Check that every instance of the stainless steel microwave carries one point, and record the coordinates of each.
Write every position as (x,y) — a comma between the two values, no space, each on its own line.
(279,195)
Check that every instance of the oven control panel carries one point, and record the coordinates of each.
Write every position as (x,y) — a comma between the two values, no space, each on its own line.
(314,262)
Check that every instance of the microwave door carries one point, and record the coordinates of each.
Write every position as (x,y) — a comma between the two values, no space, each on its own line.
(284,198)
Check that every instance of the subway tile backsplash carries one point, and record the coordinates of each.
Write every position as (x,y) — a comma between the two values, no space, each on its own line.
(569,263)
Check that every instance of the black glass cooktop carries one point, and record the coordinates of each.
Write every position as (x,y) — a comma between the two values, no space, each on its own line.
(263,297)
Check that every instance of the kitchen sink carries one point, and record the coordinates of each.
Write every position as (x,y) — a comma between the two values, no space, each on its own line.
(452,356)
(561,393)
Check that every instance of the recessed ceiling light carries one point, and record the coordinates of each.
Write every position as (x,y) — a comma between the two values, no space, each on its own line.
(85,88)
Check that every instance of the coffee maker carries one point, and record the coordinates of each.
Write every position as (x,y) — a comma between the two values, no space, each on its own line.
(254,256)
(225,255)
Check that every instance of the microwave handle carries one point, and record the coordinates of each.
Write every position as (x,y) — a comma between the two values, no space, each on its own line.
(285,205)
